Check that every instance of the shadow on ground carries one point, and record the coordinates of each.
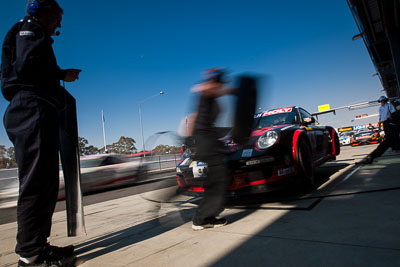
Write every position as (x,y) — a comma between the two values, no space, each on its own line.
(355,224)
(127,237)
(246,205)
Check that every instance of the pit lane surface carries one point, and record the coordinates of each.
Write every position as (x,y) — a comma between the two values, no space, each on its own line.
(325,174)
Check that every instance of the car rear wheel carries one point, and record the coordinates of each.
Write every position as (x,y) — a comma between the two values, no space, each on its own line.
(305,163)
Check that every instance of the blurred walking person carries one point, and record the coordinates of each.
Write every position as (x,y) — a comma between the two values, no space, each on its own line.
(30,80)
(210,150)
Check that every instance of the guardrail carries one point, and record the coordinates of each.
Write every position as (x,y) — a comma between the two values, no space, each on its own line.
(159,163)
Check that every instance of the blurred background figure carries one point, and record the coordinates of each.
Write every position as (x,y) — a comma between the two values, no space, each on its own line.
(209,149)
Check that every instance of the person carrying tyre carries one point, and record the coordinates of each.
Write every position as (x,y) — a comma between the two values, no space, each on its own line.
(30,80)
(210,150)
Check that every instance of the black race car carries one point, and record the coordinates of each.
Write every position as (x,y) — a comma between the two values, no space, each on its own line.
(285,142)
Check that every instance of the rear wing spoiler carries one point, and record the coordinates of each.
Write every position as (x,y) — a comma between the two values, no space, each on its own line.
(351,107)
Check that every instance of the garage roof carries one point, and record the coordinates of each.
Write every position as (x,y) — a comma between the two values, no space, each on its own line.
(378,22)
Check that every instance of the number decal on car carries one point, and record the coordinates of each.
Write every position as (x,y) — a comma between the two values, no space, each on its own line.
(247,153)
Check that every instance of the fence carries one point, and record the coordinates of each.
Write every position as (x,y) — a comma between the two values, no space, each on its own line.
(154,163)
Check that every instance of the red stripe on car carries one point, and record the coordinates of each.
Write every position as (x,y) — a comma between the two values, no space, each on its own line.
(295,140)
(333,143)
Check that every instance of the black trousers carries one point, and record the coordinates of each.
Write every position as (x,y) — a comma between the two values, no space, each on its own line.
(210,150)
(32,126)
(381,148)
(395,135)
(392,134)
(391,140)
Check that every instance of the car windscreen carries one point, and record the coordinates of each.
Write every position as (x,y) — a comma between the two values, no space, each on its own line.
(113,160)
(365,133)
(348,134)
(90,163)
(275,119)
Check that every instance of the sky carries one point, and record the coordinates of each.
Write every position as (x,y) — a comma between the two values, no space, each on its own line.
(131,50)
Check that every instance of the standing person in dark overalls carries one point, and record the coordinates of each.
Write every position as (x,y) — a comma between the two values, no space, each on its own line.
(30,78)
(210,150)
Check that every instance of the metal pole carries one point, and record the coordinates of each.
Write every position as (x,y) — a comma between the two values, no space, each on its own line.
(141,128)
(140,118)
(104,132)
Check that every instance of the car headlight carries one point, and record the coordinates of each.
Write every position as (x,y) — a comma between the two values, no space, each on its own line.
(267,139)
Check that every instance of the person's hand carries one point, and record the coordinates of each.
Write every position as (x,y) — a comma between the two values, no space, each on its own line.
(71,75)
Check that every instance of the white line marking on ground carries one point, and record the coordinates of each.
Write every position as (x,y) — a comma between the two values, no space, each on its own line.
(334,176)
(350,174)
(194,199)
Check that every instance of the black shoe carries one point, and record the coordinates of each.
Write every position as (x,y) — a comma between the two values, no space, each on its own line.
(209,223)
(367,160)
(59,252)
(53,256)
(63,262)
(40,262)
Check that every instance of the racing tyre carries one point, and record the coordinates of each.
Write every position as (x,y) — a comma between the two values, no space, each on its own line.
(305,164)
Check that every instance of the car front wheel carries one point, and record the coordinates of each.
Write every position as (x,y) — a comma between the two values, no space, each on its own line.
(305,163)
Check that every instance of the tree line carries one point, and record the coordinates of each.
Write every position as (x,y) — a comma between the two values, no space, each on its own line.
(7,157)
(125,145)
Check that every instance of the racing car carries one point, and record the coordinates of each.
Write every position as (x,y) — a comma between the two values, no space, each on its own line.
(345,139)
(366,137)
(104,171)
(284,143)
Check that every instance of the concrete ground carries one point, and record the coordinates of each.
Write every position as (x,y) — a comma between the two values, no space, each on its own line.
(351,220)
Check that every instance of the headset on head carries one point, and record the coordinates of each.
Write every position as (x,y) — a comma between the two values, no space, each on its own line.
(37,7)
(33,8)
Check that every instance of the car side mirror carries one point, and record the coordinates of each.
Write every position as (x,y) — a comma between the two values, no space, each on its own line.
(307,121)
